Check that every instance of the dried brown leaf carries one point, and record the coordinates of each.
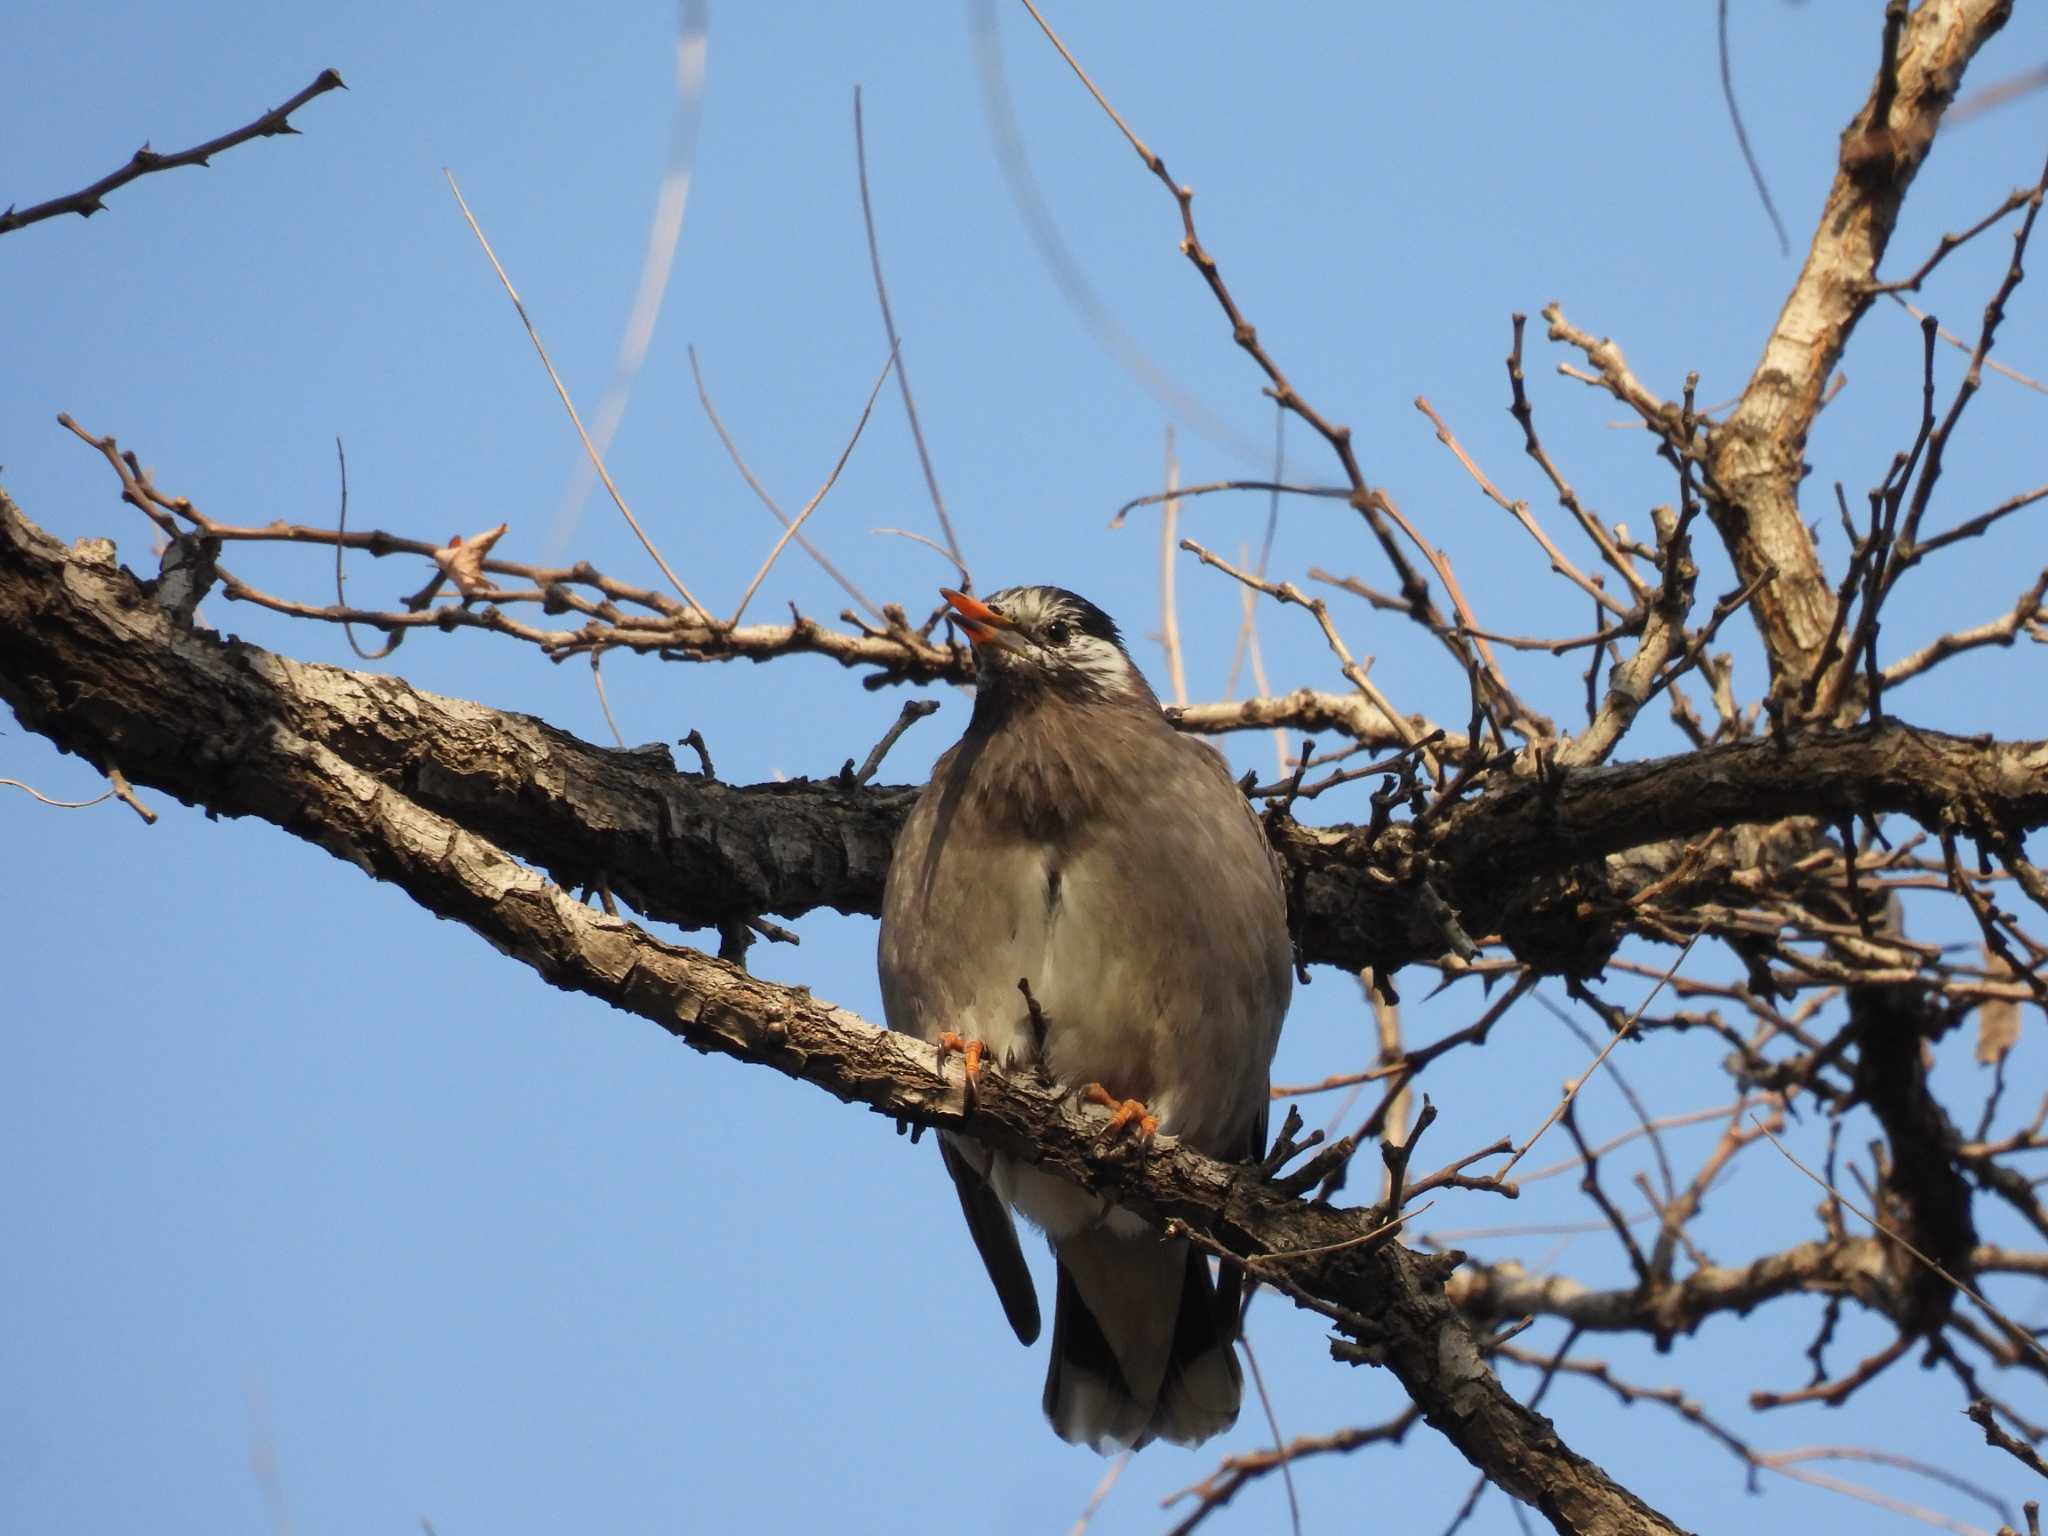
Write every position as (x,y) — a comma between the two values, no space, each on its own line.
(463,562)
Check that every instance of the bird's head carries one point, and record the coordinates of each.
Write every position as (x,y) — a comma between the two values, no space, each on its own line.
(1028,639)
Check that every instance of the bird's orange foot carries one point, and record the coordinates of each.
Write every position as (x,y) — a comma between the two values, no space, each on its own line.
(1124,1114)
(971,1052)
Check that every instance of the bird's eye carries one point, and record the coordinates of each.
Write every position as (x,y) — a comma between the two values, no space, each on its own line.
(1057,632)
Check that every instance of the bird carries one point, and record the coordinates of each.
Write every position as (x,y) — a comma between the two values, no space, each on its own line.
(1083,891)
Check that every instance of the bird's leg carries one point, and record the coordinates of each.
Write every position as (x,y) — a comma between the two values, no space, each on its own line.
(971,1051)
(1123,1114)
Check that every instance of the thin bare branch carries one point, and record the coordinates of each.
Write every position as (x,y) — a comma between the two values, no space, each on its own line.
(589,447)
(1222,1485)
(1097,317)
(924,458)
(1169,616)
(1210,488)
(1287,592)
(2018,1335)
(1949,336)
(1519,511)
(732,450)
(62,805)
(1572,1088)
(812,505)
(1756,172)
(88,201)
(657,262)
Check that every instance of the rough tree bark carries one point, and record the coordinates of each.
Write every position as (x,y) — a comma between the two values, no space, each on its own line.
(352,762)
(492,819)
(1756,457)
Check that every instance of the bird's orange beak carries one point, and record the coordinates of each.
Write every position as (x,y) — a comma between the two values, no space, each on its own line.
(983,624)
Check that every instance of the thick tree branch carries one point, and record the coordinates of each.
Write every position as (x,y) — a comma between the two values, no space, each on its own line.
(1493,863)
(1864,1267)
(1506,1290)
(88,658)
(1390,1301)
(1756,456)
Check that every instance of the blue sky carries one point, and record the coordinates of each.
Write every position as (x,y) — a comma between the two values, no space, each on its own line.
(297,1179)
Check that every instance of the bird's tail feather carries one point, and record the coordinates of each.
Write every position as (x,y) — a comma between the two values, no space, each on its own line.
(1139,1347)
(1204,1385)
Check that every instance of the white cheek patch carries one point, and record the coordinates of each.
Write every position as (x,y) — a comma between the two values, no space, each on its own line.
(1100,662)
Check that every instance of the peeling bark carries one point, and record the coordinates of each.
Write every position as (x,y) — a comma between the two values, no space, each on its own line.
(1756,457)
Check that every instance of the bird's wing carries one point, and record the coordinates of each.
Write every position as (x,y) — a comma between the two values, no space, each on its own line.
(947,962)
(963,918)
(1168,965)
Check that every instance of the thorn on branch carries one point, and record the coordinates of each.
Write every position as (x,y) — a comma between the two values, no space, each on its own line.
(145,161)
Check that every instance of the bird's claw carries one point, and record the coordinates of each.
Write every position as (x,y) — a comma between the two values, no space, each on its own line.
(1124,1114)
(971,1051)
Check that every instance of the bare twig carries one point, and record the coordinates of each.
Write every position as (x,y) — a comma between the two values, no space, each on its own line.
(657,262)
(1251,1360)
(1971,527)
(1572,1088)
(913,711)
(1287,592)
(1169,616)
(924,458)
(589,447)
(732,450)
(2018,1335)
(1110,1475)
(1951,242)
(2004,370)
(1835,1393)
(1756,172)
(1098,318)
(1220,1486)
(1994,313)
(603,699)
(966,576)
(340,575)
(1525,414)
(1989,920)
(62,805)
(1519,511)
(1211,487)
(1979,1414)
(87,201)
(1380,515)
(811,506)
(125,793)
(2028,609)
